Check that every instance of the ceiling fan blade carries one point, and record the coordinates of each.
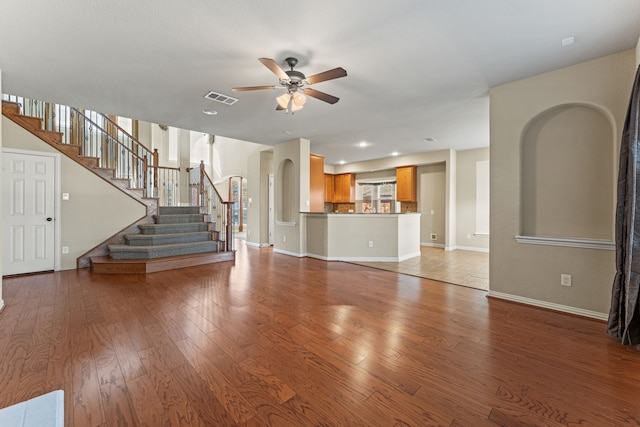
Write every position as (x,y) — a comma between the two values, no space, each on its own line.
(327,75)
(274,67)
(246,88)
(321,95)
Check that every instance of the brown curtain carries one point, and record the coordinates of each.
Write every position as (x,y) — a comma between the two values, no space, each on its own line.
(624,316)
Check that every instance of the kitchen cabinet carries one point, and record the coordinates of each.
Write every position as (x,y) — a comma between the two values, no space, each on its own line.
(328,188)
(316,183)
(344,188)
(406,177)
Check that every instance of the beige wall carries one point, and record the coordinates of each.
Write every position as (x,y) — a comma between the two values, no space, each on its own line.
(466,200)
(260,165)
(432,203)
(290,238)
(527,272)
(567,174)
(95,210)
(362,237)
(638,53)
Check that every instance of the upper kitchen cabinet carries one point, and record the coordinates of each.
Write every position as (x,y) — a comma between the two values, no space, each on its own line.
(344,188)
(328,188)
(406,178)
(316,183)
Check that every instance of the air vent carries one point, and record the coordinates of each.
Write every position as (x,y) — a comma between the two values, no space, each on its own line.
(218,97)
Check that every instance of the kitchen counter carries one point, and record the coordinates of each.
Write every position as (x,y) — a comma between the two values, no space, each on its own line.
(363,237)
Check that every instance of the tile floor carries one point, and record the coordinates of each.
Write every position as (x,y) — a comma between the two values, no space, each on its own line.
(466,268)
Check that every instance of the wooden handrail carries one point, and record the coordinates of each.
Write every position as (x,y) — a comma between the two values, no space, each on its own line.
(206,175)
(107,134)
(126,133)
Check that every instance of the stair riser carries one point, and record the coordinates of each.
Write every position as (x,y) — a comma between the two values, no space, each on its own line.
(153,252)
(150,240)
(178,210)
(179,219)
(172,228)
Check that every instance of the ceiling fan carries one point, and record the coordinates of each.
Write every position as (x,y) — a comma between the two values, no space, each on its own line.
(296,84)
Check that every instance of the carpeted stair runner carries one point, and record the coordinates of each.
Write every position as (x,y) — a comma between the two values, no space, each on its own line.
(178,230)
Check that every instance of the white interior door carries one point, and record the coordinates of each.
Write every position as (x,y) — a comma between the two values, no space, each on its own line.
(28,187)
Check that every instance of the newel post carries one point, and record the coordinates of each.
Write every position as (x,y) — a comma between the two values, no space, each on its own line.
(156,162)
(229,226)
(201,190)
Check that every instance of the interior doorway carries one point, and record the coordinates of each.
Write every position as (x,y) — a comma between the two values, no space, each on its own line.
(29,212)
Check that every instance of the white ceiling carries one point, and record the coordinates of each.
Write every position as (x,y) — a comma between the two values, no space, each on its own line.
(416,68)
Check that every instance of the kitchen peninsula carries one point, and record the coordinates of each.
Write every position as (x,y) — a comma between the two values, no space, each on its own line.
(390,237)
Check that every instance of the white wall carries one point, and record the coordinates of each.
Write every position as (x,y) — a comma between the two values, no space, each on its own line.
(466,200)
(530,273)
(638,53)
(230,157)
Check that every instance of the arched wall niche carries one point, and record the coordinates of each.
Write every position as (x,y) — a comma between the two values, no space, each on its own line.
(567,174)
(285,201)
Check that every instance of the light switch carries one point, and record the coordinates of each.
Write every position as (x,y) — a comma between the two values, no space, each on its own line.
(65,196)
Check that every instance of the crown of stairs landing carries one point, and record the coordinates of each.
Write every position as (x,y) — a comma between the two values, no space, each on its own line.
(180,236)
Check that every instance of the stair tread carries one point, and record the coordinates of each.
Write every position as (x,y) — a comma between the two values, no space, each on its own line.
(124,247)
(147,236)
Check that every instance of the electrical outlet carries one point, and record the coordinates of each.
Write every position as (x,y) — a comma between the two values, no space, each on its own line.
(434,236)
(370,243)
(468,236)
(565,279)
(284,238)
(65,249)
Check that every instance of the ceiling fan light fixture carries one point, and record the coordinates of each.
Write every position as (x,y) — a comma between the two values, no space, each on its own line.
(289,102)
(283,100)
(299,99)
(295,83)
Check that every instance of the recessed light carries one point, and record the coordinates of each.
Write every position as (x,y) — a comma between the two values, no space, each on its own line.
(429,139)
(286,132)
(209,112)
(395,153)
(342,162)
(362,144)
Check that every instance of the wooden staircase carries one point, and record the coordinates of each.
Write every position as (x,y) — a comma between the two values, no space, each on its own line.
(99,258)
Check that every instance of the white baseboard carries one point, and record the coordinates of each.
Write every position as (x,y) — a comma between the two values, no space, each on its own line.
(454,248)
(256,245)
(409,256)
(433,245)
(363,259)
(549,305)
(283,252)
(472,248)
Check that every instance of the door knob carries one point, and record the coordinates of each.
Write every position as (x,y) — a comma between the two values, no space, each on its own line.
(49,219)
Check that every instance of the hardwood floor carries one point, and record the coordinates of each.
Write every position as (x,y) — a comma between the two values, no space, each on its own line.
(277,340)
